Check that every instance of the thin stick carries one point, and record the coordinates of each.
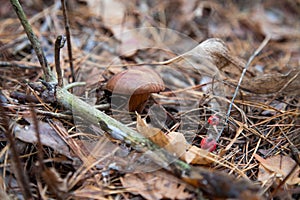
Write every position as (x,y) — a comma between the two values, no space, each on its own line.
(33,39)
(67,27)
(37,131)
(22,65)
(257,51)
(59,43)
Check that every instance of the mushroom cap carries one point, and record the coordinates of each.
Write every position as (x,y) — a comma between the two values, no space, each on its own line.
(138,80)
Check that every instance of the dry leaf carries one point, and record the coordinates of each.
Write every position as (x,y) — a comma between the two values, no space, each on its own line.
(271,83)
(111,11)
(156,185)
(198,156)
(178,143)
(55,182)
(48,135)
(263,23)
(174,142)
(114,17)
(154,134)
(279,165)
(92,192)
(210,56)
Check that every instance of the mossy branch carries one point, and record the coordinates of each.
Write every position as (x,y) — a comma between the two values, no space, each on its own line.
(210,181)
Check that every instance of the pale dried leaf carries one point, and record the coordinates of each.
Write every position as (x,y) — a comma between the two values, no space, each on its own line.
(212,55)
(154,134)
(111,11)
(265,176)
(198,156)
(281,166)
(178,144)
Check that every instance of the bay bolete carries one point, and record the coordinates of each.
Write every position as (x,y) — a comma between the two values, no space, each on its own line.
(136,84)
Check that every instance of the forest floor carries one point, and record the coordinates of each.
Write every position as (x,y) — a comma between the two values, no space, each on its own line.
(257,130)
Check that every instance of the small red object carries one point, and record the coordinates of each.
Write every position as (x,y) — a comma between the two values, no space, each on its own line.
(209,144)
(213,120)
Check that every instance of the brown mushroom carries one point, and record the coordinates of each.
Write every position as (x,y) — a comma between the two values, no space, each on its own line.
(136,84)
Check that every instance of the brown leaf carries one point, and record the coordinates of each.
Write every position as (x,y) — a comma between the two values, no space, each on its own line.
(276,30)
(48,135)
(156,185)
(113,13)
(279,165)
(57,184)
(271,83)
(174,142)
(92,192)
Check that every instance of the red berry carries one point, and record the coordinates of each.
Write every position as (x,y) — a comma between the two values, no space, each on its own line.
(209,144)
(213,120)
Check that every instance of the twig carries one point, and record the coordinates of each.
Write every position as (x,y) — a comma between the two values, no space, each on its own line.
(22,65)
(33,39)
(39,143)
(75,84)
(54,115)
(18,167)
(59,43)
(67,27)
(257,51)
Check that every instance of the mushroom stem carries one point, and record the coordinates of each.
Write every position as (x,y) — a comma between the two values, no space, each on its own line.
(137,102)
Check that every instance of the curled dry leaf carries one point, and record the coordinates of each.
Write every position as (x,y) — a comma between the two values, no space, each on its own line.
(213,55)
(175,143)
(154,134)
(277,166)
(271,83)
(178,144)
(209,57)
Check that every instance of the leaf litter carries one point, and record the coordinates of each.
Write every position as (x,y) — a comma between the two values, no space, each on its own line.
(257,141)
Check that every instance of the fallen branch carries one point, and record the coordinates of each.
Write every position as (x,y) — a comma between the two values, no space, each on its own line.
(212,182)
